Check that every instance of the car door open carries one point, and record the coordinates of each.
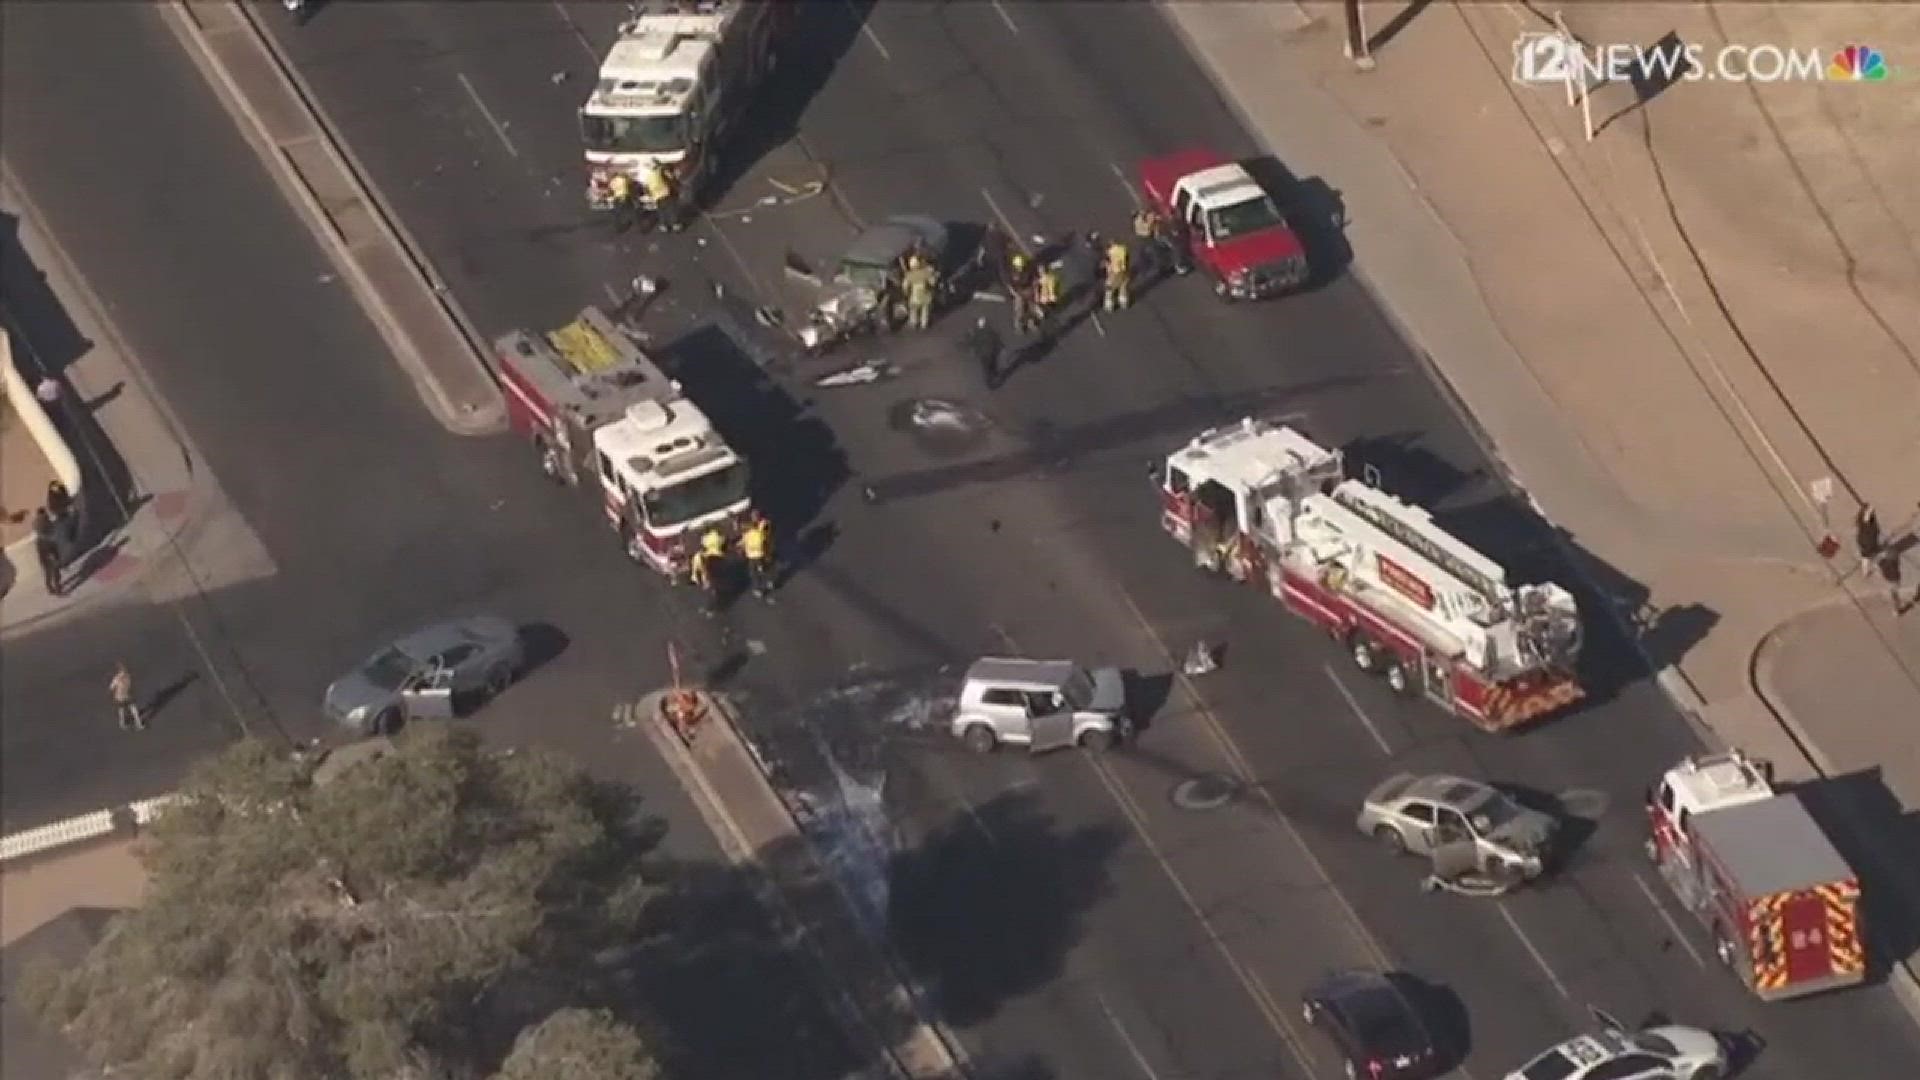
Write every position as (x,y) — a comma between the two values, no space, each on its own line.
(429,696)
(1050,722)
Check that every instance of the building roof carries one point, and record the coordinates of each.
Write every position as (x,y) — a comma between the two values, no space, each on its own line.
(1770,846)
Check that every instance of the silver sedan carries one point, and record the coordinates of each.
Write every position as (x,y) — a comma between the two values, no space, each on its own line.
(1424,814)
(431,673)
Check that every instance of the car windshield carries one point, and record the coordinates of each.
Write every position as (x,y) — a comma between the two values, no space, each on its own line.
(1492,813)
(634,134)
(864,275)
(1078,689)
(703,495)
(1552,1065)
(1242,218)
(388,669)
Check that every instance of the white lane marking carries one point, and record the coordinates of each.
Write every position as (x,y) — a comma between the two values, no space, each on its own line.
(1679,935)
(1006,18)
(1005,221)
(866,29)
(498,128)
(578,35)
(1097,324)
(1120,1029)
(1527,943)
(1120,174)
(1367,721)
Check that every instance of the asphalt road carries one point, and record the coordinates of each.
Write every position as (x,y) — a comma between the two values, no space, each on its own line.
(373,518)
(1071,920)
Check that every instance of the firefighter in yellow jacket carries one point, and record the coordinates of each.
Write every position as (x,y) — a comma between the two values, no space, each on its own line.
(707,564)
(1118,276)
(756,544)
(1047,291)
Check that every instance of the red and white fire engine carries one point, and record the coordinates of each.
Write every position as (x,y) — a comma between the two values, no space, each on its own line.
(595,407)
(671,87)
(1754,867)
(1263,503)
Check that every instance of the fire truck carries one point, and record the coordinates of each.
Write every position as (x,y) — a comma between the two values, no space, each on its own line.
(680,74)
(597,410)
(1782,906)
(1265,504)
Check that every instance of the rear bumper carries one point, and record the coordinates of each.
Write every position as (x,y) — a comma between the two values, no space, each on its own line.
(1811,986)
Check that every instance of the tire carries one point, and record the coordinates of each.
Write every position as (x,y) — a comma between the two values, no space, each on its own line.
(1397,678)
(1706,1072)
(386,723)
(1365,655)
(1095,740)
(980,739)
(1391,837)
(499,677)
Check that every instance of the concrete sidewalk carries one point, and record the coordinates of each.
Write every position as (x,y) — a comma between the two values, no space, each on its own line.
(148,483)
(1663,373)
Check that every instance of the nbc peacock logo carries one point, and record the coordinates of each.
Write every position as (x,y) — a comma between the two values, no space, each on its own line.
(1858,63)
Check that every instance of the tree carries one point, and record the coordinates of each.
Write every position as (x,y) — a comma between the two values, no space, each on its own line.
(404,917)
(579,1044)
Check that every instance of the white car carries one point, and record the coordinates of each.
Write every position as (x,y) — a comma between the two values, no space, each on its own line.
(1666,1052)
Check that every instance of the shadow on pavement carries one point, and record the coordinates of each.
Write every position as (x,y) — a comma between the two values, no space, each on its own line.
(811,47)
(1408,469)
(1623,634)
(986,906)
(45,342)
(797,463)
(1880,839)
(1317,213)
(543,642)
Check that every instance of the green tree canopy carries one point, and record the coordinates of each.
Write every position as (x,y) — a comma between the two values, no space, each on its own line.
(403,918)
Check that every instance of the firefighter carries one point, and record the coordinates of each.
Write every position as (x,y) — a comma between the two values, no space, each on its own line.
(625,200)
(1118,284)
(662,189)
(707,564)
(919,283)
(1047,290)
(1020,285)
(756,545)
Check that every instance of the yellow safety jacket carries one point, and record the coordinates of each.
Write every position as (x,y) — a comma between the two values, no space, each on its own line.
(713,543)
(1047,290)
(658,186)
(1117,261)
(620,187)
(755,543)
(919,282)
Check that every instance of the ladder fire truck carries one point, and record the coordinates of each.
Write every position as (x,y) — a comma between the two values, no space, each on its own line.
(680,74)
(597,410)
(1265,504)
(1782,906)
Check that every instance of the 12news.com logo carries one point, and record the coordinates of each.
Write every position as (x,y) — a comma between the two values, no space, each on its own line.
(1544,57)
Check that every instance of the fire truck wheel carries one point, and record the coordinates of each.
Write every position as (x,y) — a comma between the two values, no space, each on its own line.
(1365,656)
(1397,679)
(979,739)
(1391,837)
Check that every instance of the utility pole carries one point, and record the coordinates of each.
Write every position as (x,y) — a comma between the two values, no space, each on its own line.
(1357,50)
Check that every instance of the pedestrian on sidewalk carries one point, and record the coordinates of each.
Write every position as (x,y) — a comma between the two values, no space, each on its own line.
(46,547)
(125,706)
(65,523)
(1866,536)
(1890,571)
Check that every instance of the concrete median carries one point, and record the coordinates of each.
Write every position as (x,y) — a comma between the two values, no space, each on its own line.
(432,338)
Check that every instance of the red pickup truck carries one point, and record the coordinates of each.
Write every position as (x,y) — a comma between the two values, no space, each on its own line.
(1230,225)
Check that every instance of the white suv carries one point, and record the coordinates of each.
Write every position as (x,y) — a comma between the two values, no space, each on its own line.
(1040,704)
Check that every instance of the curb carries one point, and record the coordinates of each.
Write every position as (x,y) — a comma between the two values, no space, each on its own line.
(83,828)
(925,1042)
(487,417)
(40,426)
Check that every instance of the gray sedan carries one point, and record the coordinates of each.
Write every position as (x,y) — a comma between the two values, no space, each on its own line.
(428,674)
(1425,814)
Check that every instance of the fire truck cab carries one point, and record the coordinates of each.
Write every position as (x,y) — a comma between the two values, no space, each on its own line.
(594,406)
(680,74)
(1265,504)
(1780,903)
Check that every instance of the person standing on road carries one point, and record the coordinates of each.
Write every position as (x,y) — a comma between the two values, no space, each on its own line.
(1119,281)
(47,548)
(707,564)
(1046,292)
(125,706)
(920,281)
(1020,286)
(1866,536)
(984,343)
(60,509)
(625,199)
(665,194)
(756,544)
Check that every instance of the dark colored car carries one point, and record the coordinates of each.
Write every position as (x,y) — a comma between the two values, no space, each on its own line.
(1376,1029)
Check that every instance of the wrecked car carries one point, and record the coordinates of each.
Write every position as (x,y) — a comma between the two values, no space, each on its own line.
(862,296)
